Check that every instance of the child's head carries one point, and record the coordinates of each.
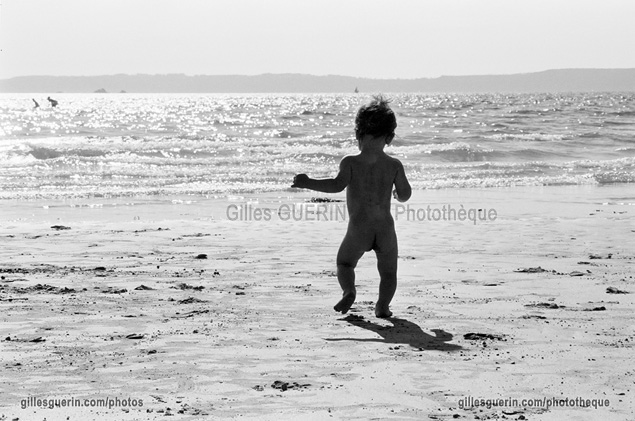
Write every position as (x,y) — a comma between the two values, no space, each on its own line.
(375,119)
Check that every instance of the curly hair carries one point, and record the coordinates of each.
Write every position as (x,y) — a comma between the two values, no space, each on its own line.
(375,118)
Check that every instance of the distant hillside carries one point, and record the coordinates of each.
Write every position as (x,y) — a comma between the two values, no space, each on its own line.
(566,80)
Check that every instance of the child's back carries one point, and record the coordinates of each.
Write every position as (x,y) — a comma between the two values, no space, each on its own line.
(373,174)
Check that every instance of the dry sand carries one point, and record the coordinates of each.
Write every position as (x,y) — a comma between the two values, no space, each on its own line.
(120,307)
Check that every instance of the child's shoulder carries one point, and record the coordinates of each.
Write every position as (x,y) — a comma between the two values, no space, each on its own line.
(393,160)
(349,159)
(352,158)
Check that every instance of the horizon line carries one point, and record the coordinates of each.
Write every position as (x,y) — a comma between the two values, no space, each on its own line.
(326,75)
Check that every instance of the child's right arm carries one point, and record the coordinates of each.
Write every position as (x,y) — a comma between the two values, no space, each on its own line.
(328,185)
(402,191)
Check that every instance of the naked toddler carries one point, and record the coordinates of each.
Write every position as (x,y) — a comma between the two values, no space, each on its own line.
(369,178)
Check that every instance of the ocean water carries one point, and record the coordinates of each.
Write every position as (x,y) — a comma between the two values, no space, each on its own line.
(121,145)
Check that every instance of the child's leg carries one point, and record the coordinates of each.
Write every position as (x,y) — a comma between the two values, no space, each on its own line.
(387,267)
(347,258)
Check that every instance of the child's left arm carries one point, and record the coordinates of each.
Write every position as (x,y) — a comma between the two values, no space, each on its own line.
(327,185)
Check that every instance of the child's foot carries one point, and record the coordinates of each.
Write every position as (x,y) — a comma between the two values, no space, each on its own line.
(382,313)
(345,303)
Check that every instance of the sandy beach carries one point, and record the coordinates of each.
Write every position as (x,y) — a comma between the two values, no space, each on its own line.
(167,307)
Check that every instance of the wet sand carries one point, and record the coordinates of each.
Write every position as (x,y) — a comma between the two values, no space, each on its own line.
(197,316)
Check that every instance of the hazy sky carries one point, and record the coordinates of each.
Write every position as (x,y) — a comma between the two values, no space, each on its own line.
(366,38)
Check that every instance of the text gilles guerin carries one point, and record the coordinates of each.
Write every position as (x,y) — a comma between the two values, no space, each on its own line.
(338,212)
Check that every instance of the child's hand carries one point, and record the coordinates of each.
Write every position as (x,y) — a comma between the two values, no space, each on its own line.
(300,180)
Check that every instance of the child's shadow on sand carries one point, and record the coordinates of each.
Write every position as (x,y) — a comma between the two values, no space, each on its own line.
(402,332)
